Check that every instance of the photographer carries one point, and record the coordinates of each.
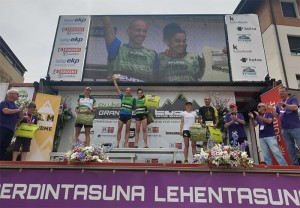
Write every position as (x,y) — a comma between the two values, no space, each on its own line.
(235,122)
(267,137)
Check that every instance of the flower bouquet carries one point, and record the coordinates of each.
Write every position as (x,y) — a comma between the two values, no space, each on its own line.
(220,155)
(83,154)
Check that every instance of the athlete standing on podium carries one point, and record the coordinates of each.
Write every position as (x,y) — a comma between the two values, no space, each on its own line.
(127,104)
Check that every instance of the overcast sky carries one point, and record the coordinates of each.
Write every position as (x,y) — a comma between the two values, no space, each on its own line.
(29,26)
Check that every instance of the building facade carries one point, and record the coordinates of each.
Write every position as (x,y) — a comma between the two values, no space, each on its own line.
(11,69)
(280,27)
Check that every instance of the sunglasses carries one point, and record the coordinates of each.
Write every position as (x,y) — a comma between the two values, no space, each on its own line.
(260,106)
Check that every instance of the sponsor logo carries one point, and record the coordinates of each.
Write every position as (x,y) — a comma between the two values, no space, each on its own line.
(46,117)
(244,38)
(233,21)
(72,29)
(236,50)
(108,112)
(23,95)
(153,129)
(65,71)
(172,133)
(244,60)
(176,145)
(246,28)
(71,40)
(76,39)
(151,160)
(108,130)
(167,114)
(76,20)
(69,49)
(249,70)
(72,61)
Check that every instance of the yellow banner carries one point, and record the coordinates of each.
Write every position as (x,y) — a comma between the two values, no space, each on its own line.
(47,109)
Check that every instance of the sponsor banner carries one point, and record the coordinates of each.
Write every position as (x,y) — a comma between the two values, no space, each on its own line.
(25,94)
(163,133)
(75,188)
(41,144)
(3,90)
(246,50)
(68,53)
(271,98)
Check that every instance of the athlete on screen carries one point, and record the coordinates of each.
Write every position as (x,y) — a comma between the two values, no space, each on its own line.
(132,60)
(176,64)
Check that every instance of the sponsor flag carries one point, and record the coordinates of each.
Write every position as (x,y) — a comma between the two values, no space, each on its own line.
(41,144)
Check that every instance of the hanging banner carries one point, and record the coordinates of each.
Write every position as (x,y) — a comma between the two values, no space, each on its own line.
(75,188)
(247,57)
(68,53)
(271,98)
(47,109)
(3,90)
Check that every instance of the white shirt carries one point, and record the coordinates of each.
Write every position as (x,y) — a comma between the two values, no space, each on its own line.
(189,119)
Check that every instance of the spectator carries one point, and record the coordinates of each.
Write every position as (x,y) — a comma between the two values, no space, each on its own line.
(9,115)
(267,138)
(287,109)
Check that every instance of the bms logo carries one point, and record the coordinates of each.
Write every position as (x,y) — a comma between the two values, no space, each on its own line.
(249,71)
(244,38)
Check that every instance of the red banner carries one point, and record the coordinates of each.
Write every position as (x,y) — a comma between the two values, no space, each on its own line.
(271,98)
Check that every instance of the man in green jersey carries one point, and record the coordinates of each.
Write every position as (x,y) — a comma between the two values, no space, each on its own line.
(132,59)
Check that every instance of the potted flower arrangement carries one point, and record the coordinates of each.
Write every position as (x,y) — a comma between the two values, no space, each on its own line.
(220,155)
(84,154)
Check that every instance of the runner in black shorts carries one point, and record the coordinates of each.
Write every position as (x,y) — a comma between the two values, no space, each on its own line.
(187,120)
(141,118)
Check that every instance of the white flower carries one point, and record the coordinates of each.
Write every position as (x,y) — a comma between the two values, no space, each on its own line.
(244,155)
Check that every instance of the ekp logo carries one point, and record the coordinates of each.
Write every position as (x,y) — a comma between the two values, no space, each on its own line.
(67,61)
(76,20)
(76,39)
(68,40)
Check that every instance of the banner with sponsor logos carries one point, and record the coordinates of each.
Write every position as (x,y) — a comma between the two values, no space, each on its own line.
(77,188)
(163,133)
(246,49)
(41,144)
(69,49)
(271,98)
(3,90)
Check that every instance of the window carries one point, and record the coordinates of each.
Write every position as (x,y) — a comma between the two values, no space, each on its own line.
(298,80)
(289,9)
(294,43)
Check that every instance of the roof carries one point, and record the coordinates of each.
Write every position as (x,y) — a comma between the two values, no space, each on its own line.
(5,49)
(247,6)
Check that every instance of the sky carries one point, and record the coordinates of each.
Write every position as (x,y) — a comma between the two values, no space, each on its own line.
(29,26)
